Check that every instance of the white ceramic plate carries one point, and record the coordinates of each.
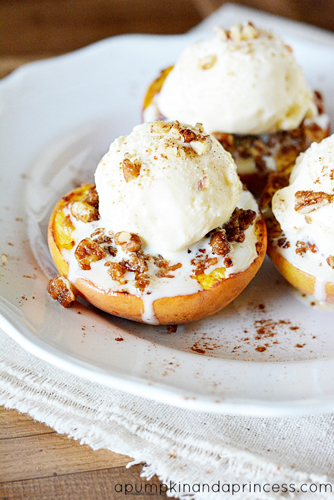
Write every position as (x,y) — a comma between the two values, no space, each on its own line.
(58,118)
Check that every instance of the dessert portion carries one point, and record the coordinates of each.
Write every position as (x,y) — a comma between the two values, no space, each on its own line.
(300,218)
(167,235)
(247,89)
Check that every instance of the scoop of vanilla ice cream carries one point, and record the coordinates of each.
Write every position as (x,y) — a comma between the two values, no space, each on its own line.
(170,184)
(243,81)
(306,206)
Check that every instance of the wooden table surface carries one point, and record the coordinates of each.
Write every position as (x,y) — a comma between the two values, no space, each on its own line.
(37,463)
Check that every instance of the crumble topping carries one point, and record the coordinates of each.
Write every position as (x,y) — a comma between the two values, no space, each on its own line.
(123,259)
(283,242)
(87,252)
(131,170)
(201,262)
(60,289)
(283,147)
(303,246)
(308,201)
(219,243)
(181,137)
(330,261)
(238,32)
(128,241)
(240,221)
(87,210)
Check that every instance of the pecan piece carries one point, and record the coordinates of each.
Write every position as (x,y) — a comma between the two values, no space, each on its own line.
(117,271)
(308,201)
(302,247)
(180,133)
(164,267)
(188,135)
(202,183)
(207,62)
(87,252)
(330,261)
(219,243)
(202,144)
(99,236)
(129,242)
(131,170)
(92,197)
(283,242)
(84,211)
(61,290)
(239,221)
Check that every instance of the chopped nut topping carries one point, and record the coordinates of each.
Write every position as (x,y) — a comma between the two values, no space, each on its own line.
(249,32)
(100,237)
(219,243)
(302,247)
(92,197)
(199,127)
(239,221)
(87,252)
(164,267)
(188,135)
(207,62)
(228,262)
(181,133)
(330,261)
(203,183)
(220,32)
(129,242)
(308,201)
(60,289)
(131,170)
(283,242)
(160,126)
(117,271)
(240,32)
(202,262)
(283,147)
(84,212)
(106,240)
(175,132)
(201,145)
(137,263)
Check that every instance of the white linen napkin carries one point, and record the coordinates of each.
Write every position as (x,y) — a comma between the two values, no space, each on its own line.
(196,455)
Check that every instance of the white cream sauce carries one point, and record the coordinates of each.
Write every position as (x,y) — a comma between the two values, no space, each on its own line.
(312,263)
(242,255)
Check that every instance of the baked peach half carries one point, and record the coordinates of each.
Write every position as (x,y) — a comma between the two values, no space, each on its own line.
(115,273)
(298,258)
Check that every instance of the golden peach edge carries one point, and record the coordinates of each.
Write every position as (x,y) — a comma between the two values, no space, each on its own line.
(298,278)
(168,310)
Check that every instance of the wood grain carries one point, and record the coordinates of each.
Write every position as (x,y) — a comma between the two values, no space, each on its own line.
(32,26)
(44,451)
(37,463)
(109,484)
